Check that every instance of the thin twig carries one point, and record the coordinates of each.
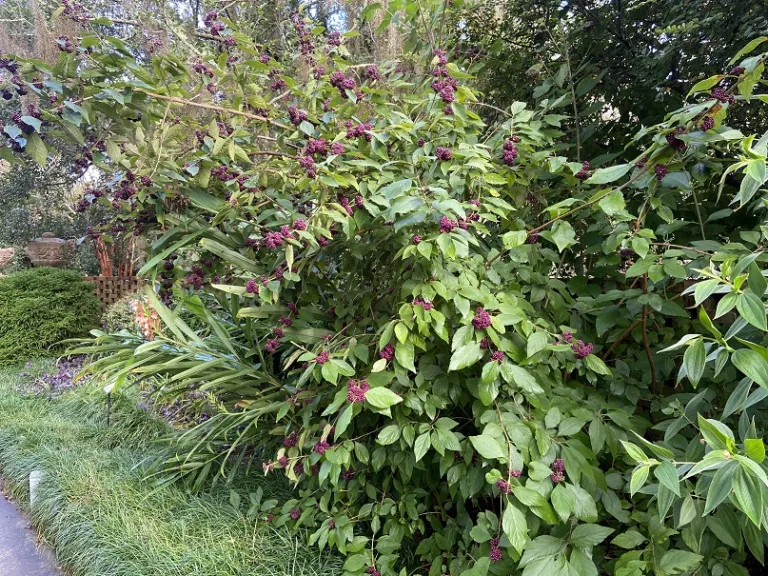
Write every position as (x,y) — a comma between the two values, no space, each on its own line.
(647,347)
(184,102)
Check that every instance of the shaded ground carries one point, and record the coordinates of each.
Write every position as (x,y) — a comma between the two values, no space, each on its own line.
(19,553)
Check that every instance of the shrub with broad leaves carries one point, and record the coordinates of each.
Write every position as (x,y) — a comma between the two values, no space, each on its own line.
(443,333)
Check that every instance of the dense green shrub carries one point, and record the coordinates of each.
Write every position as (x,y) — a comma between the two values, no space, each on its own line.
(39,308)
(444,333)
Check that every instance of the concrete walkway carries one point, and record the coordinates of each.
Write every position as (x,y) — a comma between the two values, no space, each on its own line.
(20,554)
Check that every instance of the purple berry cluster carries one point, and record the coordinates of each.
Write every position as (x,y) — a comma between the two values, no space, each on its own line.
(722,96)
(372,73)
(581,350)
(296,115)
(444,85)
(416,239)
(202,68)
(304,32)
(300,224)
(583,174)
(212,22)
(558,471)
(509,151)
(75,10)
(321,446)
(357,390)
(426,304)
(272,239)
(322,358)
(443,154)
(334,38)
(342,83)
(64,44)
(496,554)
(291,440)
(295,513)
(674,142)
(277,83)
(359,130)
(388,352)
(707,123)
(482,319)
(447,225)
(503,486)
(661,171)
(497,356)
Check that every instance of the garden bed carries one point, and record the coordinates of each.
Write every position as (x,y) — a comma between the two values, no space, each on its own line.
(102,516)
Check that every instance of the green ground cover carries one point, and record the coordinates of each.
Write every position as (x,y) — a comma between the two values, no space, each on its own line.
(104,518)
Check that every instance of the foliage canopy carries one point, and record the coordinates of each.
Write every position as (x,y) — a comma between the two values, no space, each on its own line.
(445,333)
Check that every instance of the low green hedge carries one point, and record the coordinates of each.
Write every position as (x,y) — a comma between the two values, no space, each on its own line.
(39,308)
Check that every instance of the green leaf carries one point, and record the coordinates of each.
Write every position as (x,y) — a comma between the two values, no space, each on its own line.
(757,282)
(536,343)
(720,487)
(704,290)
(562,502)
(344,420)
(494,179)
(404,354)
(748,495)
(581,564)
(515,526)
(634,452)
(488,447)
(628,540)
(748,48)
(36,149)
(382,398)
(597,366)
(465,356)
(612,204)
(584,507)
(521,378)
(514,238)
(751,308)
(588,535)
(422,446)
(754,448)
(641,246)
(751,364)
(389,435)
(679,561)
(610,174)
(716,434)
(639,476)
(694,361)
(705,84)
(666,473)
(563,235)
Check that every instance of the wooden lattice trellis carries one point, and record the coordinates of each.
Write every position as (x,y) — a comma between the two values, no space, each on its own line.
(110,289)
